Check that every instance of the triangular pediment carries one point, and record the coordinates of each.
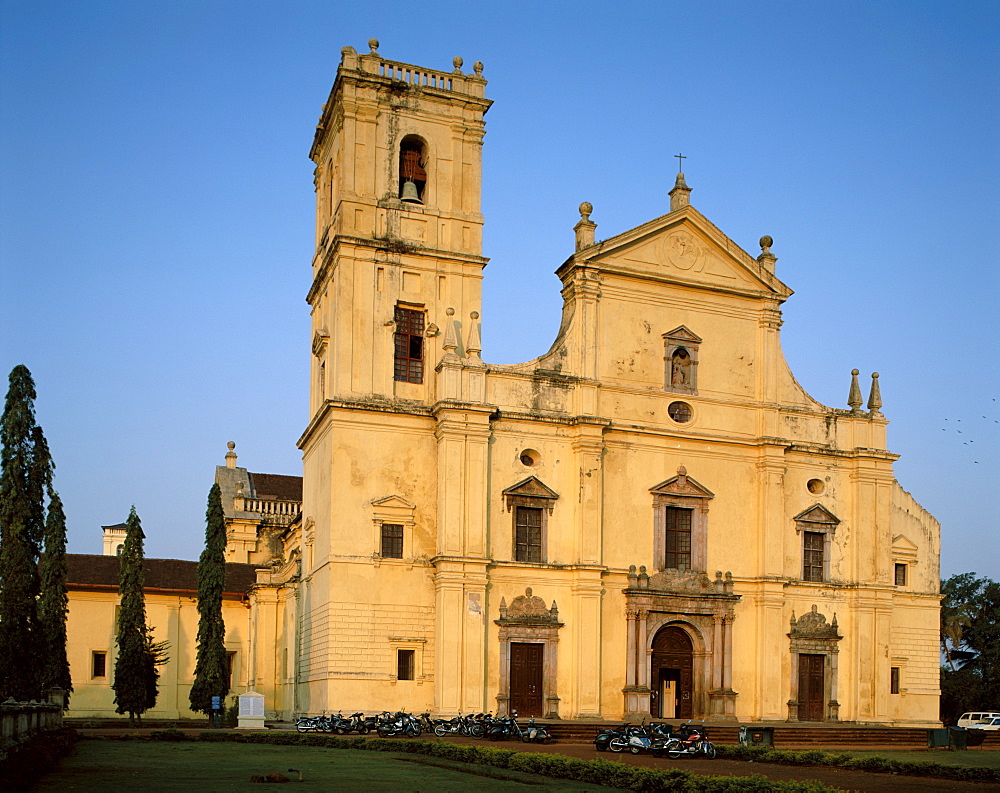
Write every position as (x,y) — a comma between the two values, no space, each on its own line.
(684,246)
(682,485)
(903,543)
(683,333)
(393,502)
(531,487)
(817,513)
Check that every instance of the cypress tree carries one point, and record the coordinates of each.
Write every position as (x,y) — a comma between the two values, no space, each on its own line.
(53,604)
(131,681)
(25,472)
(211,674)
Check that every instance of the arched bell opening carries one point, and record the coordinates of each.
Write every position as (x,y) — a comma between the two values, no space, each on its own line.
(413,170)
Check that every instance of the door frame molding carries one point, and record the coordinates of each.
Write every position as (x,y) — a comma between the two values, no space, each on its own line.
(528,621)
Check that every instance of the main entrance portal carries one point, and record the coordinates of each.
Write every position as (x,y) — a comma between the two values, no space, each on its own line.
(811,687)
(671,678)
(526,678)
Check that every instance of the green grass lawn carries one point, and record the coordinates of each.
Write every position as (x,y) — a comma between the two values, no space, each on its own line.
(152,767)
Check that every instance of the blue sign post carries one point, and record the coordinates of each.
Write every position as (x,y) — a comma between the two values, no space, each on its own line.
(216,707)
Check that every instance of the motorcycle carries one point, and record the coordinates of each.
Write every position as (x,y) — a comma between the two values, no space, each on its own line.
(603,739)
(313,724)
(399,723)
(694,741)
(356,722)
(460,725)
(639,739)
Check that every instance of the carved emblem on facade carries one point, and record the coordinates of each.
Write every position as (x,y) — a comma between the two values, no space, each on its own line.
(683,251)
(813,625)
(528,608)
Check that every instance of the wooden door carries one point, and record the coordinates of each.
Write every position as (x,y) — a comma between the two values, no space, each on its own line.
(811,687)
(526,678)
(672,661)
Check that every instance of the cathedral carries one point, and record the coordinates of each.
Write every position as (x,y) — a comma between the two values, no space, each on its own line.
(651,519)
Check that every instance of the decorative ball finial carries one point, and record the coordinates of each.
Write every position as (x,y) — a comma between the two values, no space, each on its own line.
(855,372)
(373,43)
(475,315)
(348,50)
(231,445)
(681,470)
(450,312)
(477,67)
(585,209)
(457,61)
(765,243)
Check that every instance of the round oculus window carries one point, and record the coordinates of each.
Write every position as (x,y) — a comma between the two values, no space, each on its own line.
(679,412)
(816,486)
(529,457)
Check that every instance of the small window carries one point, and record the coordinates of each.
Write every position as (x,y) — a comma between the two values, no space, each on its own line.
(119,549)
(409,345)
(230,666)
(678,538)
(900,575)
(99,664)
(679,412)
(813,543)
(528,534)
(404,664)
(894,680)
(392,540)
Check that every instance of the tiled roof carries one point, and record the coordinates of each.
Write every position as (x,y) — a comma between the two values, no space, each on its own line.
(90,571)
(277,486)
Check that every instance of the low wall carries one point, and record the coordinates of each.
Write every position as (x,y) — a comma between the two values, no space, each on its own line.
(21,721)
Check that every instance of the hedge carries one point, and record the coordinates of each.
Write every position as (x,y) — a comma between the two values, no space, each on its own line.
(600,772)
(28,761)
(876,765)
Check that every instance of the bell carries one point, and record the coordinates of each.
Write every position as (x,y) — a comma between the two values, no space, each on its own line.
(410,193)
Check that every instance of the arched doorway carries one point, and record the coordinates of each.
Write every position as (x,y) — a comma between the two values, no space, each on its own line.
(671,674)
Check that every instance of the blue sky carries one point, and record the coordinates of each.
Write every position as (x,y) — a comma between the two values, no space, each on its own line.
(156,213)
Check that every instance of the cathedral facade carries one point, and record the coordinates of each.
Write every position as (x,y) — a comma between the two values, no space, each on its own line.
(651,519)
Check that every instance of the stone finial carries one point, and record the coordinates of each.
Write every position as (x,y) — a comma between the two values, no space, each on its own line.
(474,345)
(348,50)
(585,227)
(477,67)
(643,577)
(503,608)
(854,397)
(231,455)
(682,471)
(729,581)
(457,63)
(875,396)
(766,258)
(373,43)
(632,577)
(680,196)
(450,335)
(719,583)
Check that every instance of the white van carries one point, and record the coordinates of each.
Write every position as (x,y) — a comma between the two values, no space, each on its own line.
(974,718)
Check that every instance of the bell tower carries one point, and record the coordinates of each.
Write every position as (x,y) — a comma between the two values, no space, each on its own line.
(398,256)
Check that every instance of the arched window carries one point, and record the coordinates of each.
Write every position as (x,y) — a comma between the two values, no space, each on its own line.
(412,170)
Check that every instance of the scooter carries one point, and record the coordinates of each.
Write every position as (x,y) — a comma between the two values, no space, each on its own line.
(535,733)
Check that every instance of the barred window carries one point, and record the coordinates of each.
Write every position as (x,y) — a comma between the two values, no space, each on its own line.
(678,539)
(893,679)
(99,664)
(900,575)
(813,543)
(392,540)
(409,345)
(404,664)
(528,534)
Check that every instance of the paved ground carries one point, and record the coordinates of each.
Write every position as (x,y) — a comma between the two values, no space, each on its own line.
(835,777)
